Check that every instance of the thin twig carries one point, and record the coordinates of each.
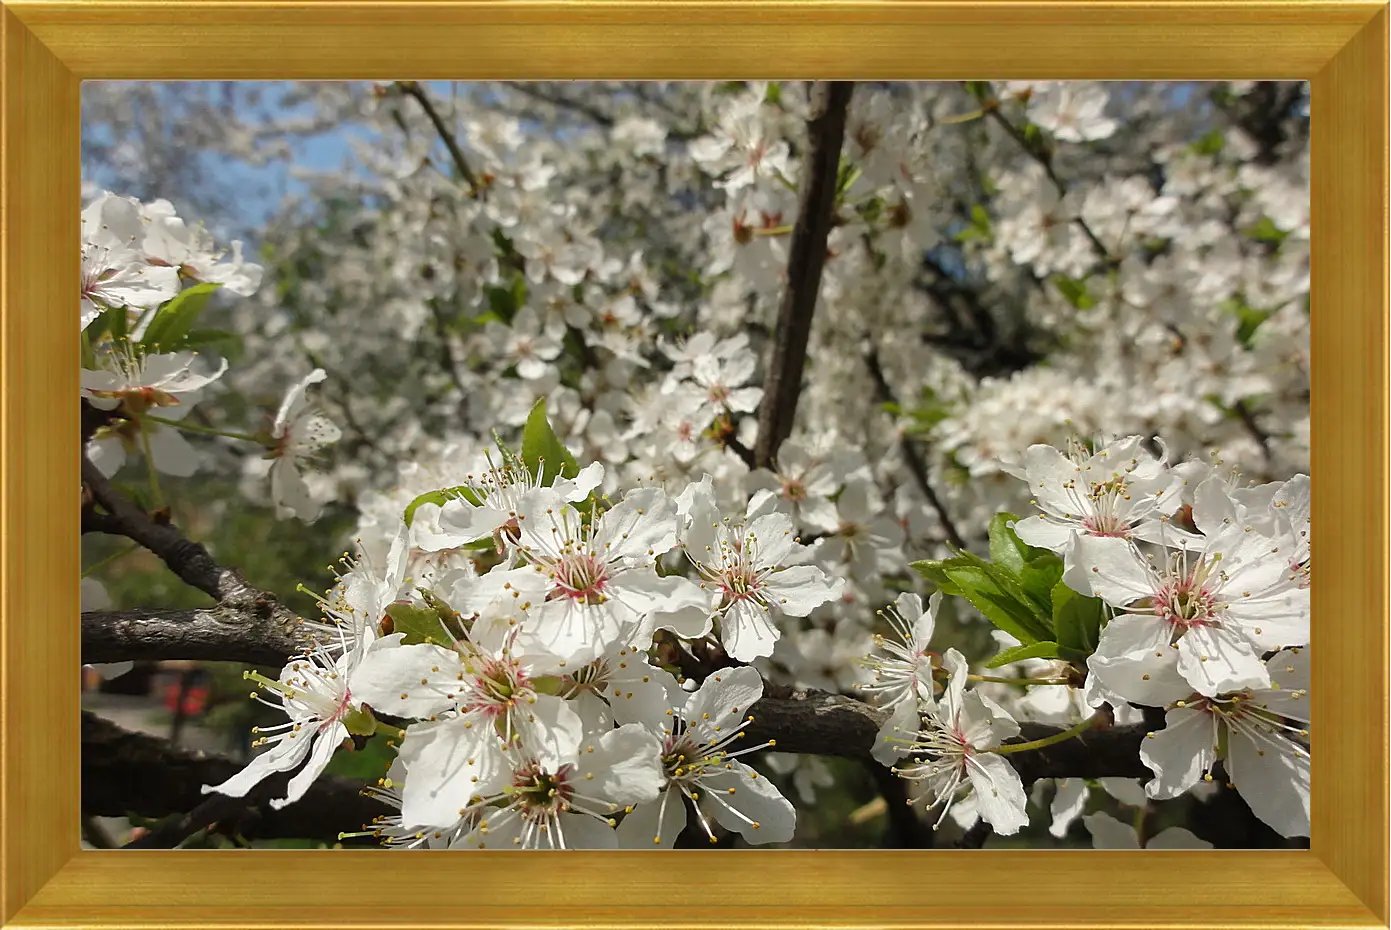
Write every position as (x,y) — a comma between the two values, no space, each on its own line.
(1046,162)
(782,383)
(414,89)
(911,456)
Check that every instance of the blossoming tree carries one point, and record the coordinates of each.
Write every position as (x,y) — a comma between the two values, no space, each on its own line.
(697,436)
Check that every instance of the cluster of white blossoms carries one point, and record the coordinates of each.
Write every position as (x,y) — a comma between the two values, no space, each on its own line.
(147,277)
(1010,266)
(1171,586)
(525,674)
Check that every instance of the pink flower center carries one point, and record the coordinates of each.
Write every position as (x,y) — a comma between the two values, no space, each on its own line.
(1185,603)
(740,582)
(581,576)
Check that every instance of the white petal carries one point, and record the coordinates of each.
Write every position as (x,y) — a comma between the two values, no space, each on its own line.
(891,742)
(640,526)
(747,631)
(281,757)
(1118,573)
(326,742)
(726,696)
(1214,661)
(1109,833)
(1045,532)
(999,793)
(406,681)
(1272,777)
(799,590)
(447,763)
(551,730)
(654,825)
(1181,753)
(1176,838)
(623,766)
(745,802)
(1126,790)
(1069,801)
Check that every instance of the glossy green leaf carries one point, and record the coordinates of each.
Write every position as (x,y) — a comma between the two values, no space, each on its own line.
(1077,619)
(441,497)
(542,451)
(172,323)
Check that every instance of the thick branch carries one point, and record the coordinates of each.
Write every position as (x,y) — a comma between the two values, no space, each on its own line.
(126,773)
(222,633)
(782,384)
(187,559)
(822,723)
(801,721)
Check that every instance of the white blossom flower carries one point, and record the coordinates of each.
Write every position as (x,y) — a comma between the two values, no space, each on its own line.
(1072,111)
(700,765)
(903,680)
(1120,490)
(115,272)
(952,754)
(131,375)
(1207,613)
(1260,734)
(300,432)
(492,503)
(748,566)
(314,691)
(597,584)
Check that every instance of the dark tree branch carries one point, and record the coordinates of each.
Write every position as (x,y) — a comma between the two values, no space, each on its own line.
(1258,433)
(782,383)
(187,559)
(799,720)
(1045,160)
(543,93)
(126,773)
(906,829)
(413,89)
(222,633)
(916,466)
(738,448)
(975,836)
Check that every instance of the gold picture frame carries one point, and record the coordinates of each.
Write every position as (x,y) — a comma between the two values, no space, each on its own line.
(50,47)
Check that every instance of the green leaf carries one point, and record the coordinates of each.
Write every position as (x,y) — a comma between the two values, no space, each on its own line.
(1020,653)
(1040,576)
(420,624)
(849,173)
(1007,549)
(169,330)
(979,89)
(773,94)
(360,722)
(1077,619)
(542,451)
(504,302)
(1210,144)
(1265,230)
(112,321)
(1074,291)
(935,574)
(1000,606)
(441,497)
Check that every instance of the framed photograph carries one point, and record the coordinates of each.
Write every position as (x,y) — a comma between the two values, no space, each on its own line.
(625,463)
